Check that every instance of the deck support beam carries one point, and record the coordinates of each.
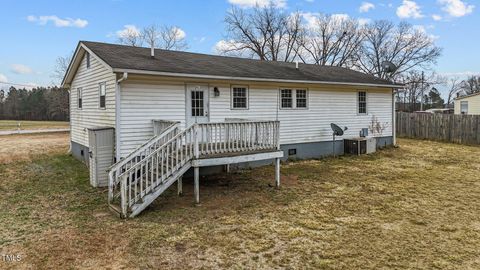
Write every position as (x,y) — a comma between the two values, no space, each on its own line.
(196,184)
(180,186)
(277,172)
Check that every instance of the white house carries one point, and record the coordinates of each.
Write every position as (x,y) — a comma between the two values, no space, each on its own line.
(240,110)
(468,104)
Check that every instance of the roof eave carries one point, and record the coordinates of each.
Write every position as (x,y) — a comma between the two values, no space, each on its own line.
(218,77)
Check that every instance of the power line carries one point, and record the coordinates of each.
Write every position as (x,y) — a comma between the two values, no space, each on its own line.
(19,84)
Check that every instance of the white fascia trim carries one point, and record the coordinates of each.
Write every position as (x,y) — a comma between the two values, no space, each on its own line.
(200,76)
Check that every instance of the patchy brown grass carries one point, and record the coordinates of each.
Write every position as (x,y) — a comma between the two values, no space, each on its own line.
(14,148)
(13,124)
(416,206)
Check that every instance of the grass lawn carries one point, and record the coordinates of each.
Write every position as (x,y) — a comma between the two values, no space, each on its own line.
(416,206)
(13,124)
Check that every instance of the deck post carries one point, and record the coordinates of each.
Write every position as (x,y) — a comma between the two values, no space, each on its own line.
(196,184)
(277,172)
(179,186)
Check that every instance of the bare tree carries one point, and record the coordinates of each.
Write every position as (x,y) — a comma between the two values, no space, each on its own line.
(61,67)
(172,38)
(404,45)
(130,36)
(417,84)
(330,40)
(471,85)
(264,33)
(455,87)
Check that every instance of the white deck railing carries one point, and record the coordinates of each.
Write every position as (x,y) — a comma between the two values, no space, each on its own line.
(161,161)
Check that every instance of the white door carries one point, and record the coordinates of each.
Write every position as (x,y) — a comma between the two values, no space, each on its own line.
(197,104)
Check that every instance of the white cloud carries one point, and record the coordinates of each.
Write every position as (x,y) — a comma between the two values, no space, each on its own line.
(436,17)
(21,69)
(128,30)
(366,7)
(456,8)
(58,22)
(260,3)
(3,78)
(180,33)
(409,9)
(310,1)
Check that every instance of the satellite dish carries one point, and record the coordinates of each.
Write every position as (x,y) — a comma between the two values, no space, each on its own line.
(389,67)
(337,131)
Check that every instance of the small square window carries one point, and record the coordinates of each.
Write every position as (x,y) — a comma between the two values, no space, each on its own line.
(239,97)
(87,57)
(103,93)
(362,102)
(79,98)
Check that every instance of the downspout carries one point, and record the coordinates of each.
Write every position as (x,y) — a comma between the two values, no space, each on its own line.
(117,115)
(394,120)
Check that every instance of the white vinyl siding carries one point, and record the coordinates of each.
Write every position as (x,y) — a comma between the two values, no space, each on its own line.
(324,107)
(90,115)
(142,103)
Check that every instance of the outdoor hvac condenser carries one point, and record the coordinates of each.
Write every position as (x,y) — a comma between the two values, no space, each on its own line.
(359,146)
(101,146)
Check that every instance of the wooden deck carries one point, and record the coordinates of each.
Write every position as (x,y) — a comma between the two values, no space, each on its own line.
(148,171)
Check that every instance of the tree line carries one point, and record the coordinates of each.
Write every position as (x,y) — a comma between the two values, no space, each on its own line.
(39,103)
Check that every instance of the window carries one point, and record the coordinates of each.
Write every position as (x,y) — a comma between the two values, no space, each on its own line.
(87,57)
(293,99)
(301,97)
(464,107)
(362,102)
(286,98)
(79,97)
(103,92)
(197,103)
(239,97)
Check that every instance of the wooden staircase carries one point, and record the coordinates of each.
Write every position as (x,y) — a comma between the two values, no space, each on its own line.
(138,179)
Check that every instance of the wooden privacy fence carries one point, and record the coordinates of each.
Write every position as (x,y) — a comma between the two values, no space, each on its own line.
(463,129)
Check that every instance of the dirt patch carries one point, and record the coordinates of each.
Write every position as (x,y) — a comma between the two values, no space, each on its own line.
(15,148)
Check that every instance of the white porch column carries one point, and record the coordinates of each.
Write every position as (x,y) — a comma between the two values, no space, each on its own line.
(180,186)
(277,172)
(196,184)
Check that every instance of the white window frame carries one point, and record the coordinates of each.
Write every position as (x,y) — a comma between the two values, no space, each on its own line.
(294,98)
(88,59)
(462,102)
(100,95)
(79,98)
(247,96)
(358,102)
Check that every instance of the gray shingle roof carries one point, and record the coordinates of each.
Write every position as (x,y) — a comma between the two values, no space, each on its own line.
(138,58)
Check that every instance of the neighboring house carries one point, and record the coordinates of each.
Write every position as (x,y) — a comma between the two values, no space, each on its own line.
(469,104)
(275,110)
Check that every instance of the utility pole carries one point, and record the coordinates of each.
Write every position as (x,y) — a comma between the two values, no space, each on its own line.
(421,100)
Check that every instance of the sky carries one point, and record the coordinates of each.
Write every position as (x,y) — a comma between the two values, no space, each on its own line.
(34,33)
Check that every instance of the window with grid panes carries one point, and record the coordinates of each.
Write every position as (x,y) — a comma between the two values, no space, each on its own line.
(286,98)
(239,97)
(197,103)
(301,98)
(362,102)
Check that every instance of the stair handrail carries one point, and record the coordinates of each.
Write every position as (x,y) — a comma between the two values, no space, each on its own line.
(113,180)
